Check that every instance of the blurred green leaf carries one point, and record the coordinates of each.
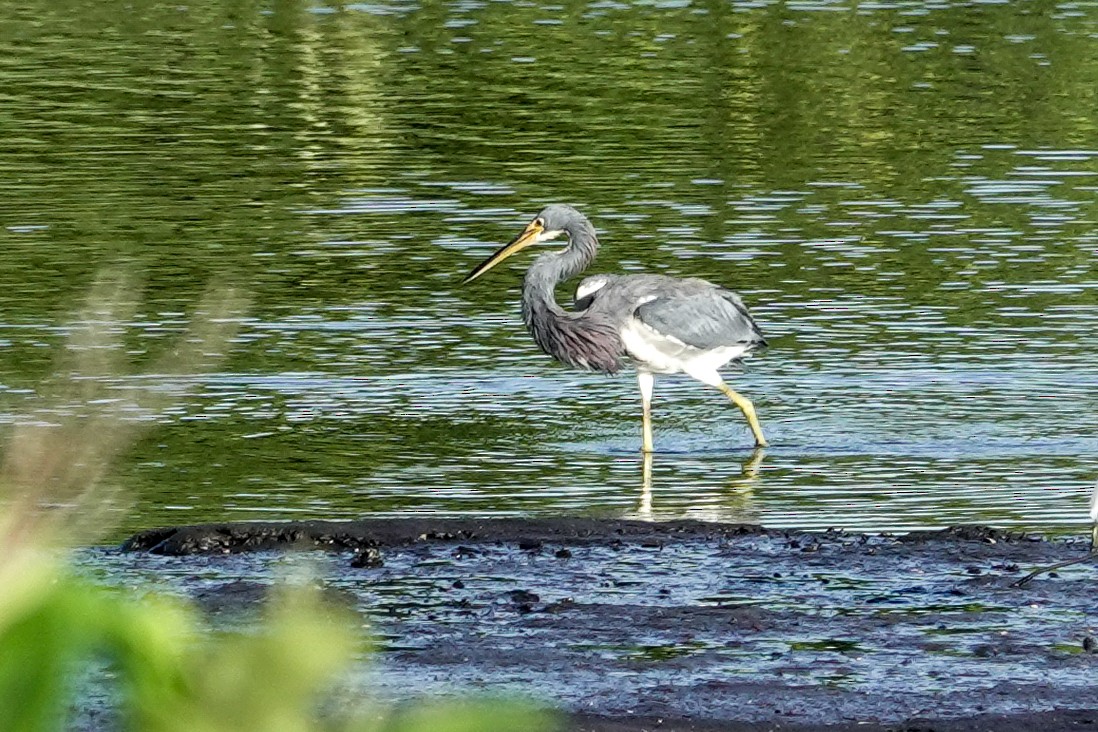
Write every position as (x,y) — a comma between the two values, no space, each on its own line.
(38,653)
(483,716)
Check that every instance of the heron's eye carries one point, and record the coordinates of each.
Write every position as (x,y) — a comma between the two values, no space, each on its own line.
(540,223)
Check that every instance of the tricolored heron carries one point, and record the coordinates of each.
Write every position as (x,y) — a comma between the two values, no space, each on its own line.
(664,325)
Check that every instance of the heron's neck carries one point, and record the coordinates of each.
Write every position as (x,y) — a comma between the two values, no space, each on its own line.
(580,340)
(552,268)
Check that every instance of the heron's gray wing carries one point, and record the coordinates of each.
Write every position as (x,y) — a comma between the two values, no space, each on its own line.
(708,319)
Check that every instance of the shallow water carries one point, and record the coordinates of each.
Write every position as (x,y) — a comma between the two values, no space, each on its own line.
(902,192)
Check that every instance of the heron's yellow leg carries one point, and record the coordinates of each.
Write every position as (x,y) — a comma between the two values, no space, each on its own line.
(646,381)
(748,410)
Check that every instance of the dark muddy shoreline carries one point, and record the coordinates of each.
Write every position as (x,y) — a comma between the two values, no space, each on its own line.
(689,625)
(230,538)
(1059,721)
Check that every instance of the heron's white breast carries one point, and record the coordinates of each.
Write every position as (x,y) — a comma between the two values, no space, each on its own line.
(664,354)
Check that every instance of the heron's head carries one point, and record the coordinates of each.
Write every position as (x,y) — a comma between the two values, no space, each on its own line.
(551,222)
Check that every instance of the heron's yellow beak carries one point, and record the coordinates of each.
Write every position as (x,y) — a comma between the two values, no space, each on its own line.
(528,236)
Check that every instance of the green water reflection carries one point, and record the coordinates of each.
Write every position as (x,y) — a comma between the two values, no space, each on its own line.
(904,193)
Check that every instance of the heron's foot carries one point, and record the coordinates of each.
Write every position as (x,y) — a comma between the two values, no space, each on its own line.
(748,410)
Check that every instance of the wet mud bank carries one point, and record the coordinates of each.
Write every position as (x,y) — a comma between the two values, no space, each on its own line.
(229,538)
(688,625)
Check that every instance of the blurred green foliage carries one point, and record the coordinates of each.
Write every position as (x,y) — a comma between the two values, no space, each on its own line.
(161,667)
(173,676)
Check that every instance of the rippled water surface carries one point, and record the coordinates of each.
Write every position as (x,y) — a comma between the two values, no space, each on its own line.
(904,193)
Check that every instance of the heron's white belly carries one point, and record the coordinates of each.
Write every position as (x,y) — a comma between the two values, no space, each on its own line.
(662,354)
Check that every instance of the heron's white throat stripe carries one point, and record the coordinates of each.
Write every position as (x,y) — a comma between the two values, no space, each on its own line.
(590,285)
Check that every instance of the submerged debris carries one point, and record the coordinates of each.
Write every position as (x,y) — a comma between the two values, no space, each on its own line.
(369,558)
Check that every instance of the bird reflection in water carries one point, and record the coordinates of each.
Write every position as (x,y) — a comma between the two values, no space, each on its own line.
(737,495)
